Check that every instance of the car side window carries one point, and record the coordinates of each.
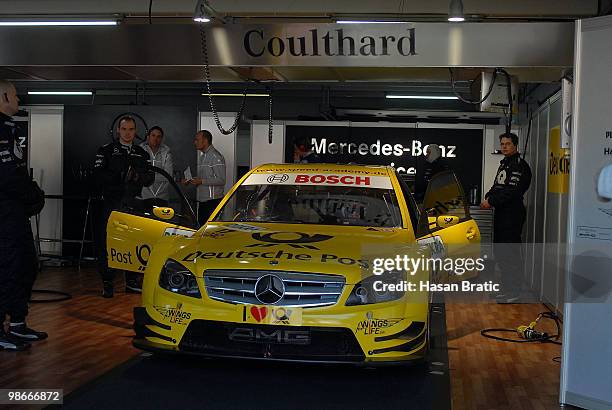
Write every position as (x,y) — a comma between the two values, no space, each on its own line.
(444,197)
(164,192)
(413,209)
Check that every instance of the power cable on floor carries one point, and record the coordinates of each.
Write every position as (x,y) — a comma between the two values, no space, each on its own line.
(527,333)
(62,296)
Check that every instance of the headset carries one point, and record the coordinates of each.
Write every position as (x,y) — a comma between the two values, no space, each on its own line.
(113,127)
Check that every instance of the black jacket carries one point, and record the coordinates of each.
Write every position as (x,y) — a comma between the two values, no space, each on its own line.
(122,171)
(511,182)
(14,186)
(14,178)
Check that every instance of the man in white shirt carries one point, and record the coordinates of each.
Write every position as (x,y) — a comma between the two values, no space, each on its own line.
(211,176)
(158,193)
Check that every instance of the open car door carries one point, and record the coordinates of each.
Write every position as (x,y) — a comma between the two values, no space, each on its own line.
(133,230)
(446,225)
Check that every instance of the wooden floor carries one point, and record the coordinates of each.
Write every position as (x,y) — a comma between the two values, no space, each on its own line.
(89,335)
(491,374)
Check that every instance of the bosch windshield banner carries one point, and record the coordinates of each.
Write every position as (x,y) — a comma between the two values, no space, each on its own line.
(365,181)
(402,148)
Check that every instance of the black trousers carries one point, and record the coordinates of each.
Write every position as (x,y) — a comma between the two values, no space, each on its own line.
(205,209)
(105,207)
(507,230)
(18,263)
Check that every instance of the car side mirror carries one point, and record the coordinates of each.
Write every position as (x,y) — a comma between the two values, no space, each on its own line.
(163,212)
(444,221)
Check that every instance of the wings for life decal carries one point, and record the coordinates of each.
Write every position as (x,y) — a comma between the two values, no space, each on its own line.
(365,181)
(174,314)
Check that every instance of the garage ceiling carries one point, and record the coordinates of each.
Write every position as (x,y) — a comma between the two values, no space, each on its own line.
(265,11)
(305,9)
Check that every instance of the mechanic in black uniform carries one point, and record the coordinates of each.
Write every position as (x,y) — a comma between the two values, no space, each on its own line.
(121,171)
(18,259)
(506,196)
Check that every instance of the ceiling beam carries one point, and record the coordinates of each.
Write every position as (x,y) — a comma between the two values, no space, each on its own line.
(515,8)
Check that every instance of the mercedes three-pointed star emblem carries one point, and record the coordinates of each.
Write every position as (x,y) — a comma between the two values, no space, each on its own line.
(269,289)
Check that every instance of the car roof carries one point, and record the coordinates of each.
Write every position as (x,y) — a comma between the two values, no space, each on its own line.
(374,170)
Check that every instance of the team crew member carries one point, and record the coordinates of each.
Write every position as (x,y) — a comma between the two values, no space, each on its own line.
(506,196)
(434,164)
(121,172)
(303,153)
(211,176)
(158,193)
(18,261)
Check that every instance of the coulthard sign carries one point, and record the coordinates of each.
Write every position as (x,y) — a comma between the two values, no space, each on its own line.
(299,45)
(330,41)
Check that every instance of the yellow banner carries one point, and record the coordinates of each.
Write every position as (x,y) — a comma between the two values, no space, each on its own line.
(558,163)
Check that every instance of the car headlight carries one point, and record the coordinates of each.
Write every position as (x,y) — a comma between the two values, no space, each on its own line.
(178,279)
(365,292)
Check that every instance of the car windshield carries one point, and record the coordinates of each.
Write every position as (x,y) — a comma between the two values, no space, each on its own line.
(313,204)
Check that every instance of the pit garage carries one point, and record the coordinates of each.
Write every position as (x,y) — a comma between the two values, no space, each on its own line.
(242,201)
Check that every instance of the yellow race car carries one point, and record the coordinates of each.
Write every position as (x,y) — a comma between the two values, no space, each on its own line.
(282,270)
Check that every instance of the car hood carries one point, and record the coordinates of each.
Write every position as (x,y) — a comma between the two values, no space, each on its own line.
(340,250)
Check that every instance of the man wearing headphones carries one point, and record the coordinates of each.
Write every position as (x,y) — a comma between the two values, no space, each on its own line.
(121,171)
(18,259)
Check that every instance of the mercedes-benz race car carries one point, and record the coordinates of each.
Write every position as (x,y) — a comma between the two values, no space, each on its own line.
(282,270)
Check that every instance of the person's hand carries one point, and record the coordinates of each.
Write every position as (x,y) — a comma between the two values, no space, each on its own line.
(185,182)
(132,175)
(485,204)
(197,181)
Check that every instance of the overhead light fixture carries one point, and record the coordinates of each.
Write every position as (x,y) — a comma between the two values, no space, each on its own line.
(201,14)
(236,95)
(423,97)
(23,23)
(369,22)
(60,92)
(455,11)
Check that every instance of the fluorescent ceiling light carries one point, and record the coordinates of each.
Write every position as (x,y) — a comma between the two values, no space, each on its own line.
(236,95)
(60,93)
(59,23)
(423,97)
(455,11)
(369,22)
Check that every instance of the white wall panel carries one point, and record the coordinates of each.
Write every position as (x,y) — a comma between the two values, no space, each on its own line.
(587,352)
(46,160)
(262,152)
